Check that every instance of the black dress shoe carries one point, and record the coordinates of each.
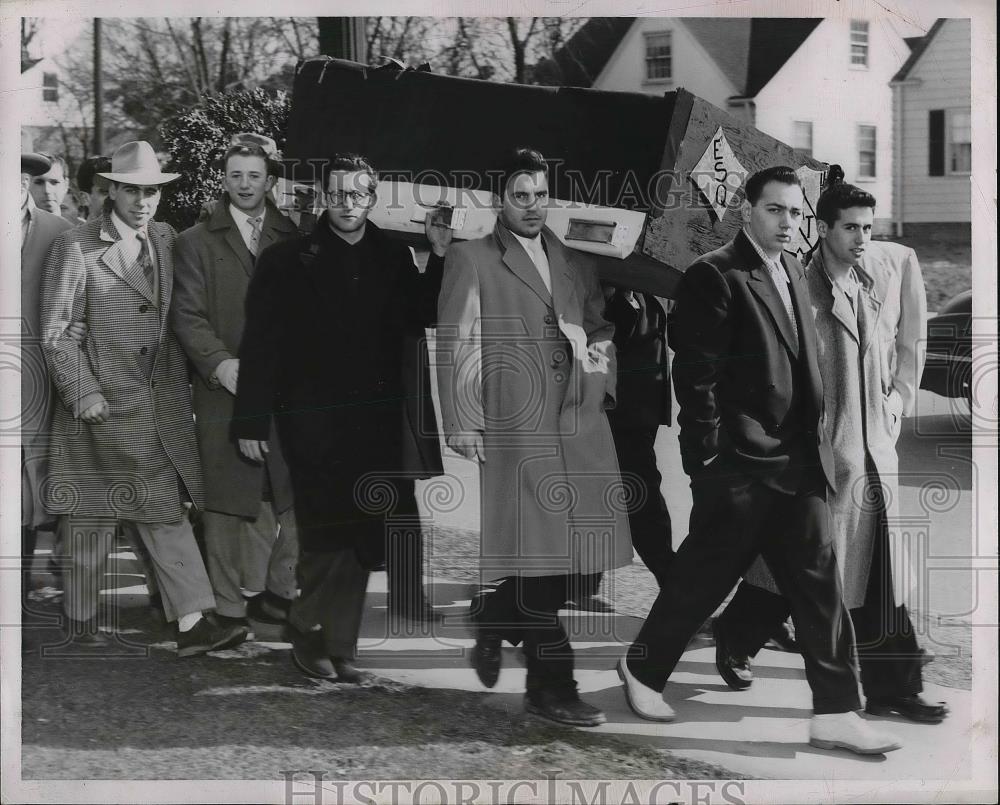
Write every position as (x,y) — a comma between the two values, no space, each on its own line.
(563,710)
(346,671)
(486,659)
(914,707)
(733,668)
(784,639)
(208,636)
(309,654)
(268,607)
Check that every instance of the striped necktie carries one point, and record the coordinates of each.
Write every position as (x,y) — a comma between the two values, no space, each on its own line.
(145,259)
(255,224)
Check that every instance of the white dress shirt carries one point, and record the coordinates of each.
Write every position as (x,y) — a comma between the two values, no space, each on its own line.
(533,246)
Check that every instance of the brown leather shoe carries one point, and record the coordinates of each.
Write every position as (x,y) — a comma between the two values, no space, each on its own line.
(563,710)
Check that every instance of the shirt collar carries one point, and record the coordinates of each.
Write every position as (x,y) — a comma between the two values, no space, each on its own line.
(240,217)
(531,245)
(124,229)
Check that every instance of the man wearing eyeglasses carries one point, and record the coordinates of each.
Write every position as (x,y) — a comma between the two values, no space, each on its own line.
(322,358)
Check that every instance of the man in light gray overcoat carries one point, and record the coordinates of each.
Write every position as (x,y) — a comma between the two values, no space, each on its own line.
(870,313)
(123,446)
(525,367)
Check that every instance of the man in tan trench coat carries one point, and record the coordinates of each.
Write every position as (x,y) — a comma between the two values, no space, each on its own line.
(525,367)
(870,312)
(123,446)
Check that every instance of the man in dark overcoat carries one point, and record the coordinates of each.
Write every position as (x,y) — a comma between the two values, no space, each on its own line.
(751,401)
(249,521)
(322,358)
(123,445)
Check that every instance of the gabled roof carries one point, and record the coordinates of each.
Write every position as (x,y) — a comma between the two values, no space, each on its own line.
(584,55)
(918,50)
(748,51)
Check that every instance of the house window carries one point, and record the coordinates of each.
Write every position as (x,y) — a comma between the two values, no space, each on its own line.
(859,43)
(959,141)
(802,137)
(50,87)
(659,60)
(866,152)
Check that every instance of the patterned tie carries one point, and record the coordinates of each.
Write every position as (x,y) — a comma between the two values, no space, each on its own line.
(781,283)
(255,224)
(145,259)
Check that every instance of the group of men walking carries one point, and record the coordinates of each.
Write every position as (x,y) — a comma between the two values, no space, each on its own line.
(307,419)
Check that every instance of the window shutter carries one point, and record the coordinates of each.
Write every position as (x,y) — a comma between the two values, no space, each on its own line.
(935,141)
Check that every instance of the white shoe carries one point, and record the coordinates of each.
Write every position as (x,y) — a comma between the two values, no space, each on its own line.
(644,701)
(849,731)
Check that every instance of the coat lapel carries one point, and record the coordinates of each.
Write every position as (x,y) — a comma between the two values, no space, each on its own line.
(871,307)
(762,286)
(562,274)
(518,261)
(277,227)
(164,271)
(222,221)
(119,263)
(840,307)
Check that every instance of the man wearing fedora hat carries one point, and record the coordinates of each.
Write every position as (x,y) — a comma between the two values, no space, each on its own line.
(123,444)
(38,229)
(250,534)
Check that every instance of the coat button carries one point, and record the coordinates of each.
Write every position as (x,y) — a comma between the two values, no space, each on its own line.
(559,377)
(549,319)
(144,350)
(143,308)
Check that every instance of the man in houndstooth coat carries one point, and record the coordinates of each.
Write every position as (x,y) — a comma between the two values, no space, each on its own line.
(123,445)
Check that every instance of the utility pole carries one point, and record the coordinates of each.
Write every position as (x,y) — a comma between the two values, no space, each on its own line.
(98,91)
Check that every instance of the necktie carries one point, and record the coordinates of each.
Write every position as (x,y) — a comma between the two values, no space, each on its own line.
(145,259)
(781,283)
(255,224)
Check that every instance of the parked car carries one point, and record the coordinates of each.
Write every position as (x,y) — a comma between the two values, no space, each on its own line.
(948,370)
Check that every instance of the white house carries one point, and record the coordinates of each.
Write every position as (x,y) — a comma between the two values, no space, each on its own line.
(932,105)
(820,85)
(50,117)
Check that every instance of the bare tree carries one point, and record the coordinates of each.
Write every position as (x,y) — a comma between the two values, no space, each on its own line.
(155,67)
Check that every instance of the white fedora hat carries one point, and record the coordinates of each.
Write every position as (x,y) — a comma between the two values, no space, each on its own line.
(136,163)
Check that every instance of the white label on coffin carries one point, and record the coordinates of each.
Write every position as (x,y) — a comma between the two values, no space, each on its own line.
(719,174)
(812,185)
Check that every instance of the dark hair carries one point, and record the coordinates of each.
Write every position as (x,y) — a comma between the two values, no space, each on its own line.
(515,162)
(778,173)
(88,170)
(841,197)
(250,150)
(348,162)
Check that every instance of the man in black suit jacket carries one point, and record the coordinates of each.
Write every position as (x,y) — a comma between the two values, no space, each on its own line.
(750,397)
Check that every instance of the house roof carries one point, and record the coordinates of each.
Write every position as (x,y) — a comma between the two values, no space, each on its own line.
(580,60)
(748,51)
(917,50)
